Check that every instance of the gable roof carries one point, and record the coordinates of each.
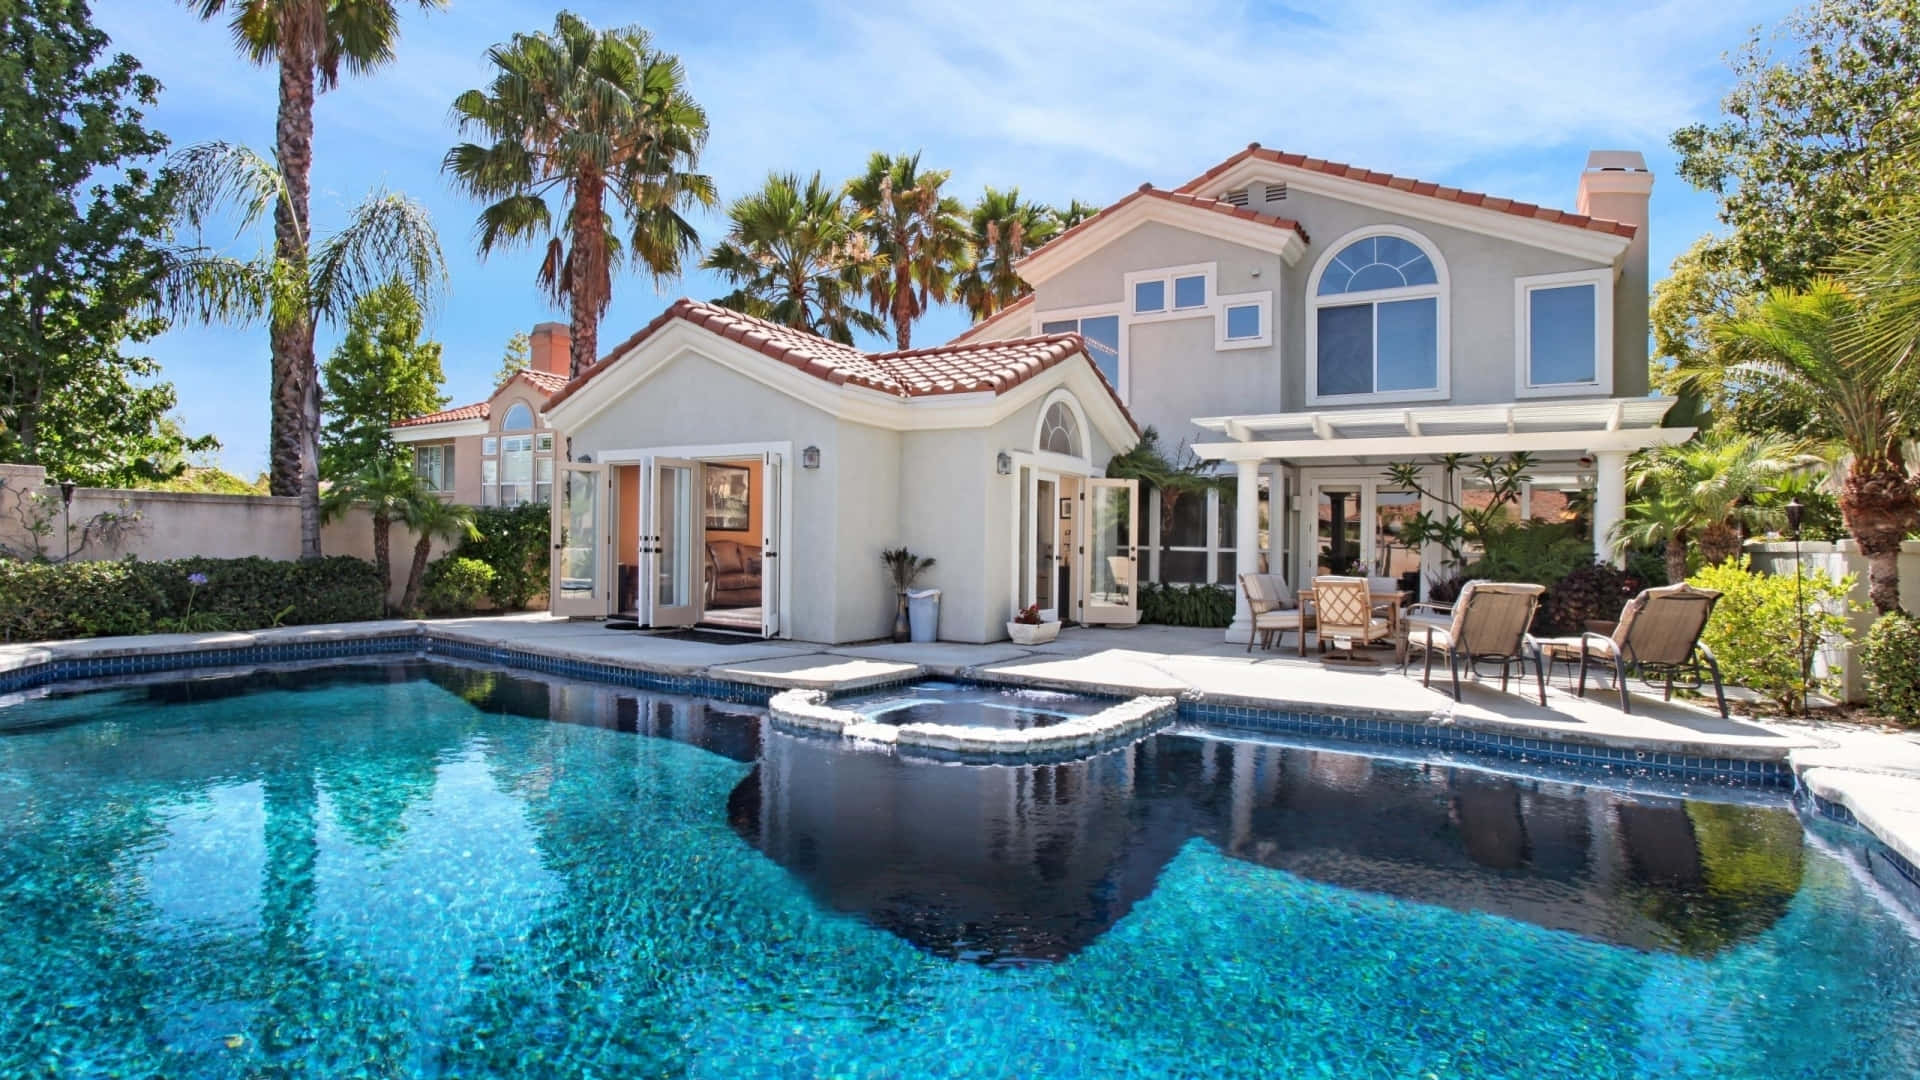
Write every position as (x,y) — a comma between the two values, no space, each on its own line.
(1018,307)
(1198,213)
(546,383)
(987,367)
(476,411)
(1339,170)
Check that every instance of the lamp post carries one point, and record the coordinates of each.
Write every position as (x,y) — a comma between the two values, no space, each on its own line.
(1795,514)
(66,518)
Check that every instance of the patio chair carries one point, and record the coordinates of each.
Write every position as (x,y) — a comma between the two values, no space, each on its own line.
(1658,637)
(1343,608)
(1488,623)
(1273,613)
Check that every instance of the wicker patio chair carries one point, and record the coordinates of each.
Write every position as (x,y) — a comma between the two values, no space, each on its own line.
(1270,617)
(1658,637)
(1487,624)
(1343,608)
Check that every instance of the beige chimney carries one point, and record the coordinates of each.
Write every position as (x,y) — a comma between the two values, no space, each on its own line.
(552,345)
(1618,186)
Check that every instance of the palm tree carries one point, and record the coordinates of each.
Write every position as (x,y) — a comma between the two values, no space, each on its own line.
(1073,213)
(1807,347)
(1004,230)
(431,518)
(388,489)
(917,229)
(795,257)
(1706,490)
(388,238)
(592,118)
(310,41)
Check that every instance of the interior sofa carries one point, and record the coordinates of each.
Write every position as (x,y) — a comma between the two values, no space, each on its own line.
(733,574)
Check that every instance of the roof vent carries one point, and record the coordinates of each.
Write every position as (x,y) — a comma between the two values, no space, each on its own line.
(1276,193)
(1236,198)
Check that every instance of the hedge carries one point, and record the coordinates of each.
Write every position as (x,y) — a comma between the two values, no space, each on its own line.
(517,543)
(1186,605)
(43,601)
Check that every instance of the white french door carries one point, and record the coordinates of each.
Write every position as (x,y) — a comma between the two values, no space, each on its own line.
(1351,527)
(1110,571)
(671,566)
(770,560)
(581,542)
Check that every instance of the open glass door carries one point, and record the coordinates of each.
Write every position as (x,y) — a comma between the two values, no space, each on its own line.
(672,568)
(579,584)
(770,573)
(1111,567)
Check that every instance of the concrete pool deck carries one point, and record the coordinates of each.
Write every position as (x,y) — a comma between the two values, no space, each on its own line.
(1874,774)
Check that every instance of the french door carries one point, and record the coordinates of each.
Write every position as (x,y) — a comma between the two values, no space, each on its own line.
(1110,572)
(672,569)
(1352,528)
(581,542)
(770,560)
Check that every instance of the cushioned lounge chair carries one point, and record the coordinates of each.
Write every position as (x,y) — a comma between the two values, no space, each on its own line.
(1274,612)
(1658,637)
(1487,624)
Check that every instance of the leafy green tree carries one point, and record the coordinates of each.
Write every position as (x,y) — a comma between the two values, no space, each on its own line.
(517,357)
(794,256)
(919,232)
(603,121)
(308,42)
(387,238)
(383,371)
(1004,229)
(388,489)
(82,219)
(1706,490)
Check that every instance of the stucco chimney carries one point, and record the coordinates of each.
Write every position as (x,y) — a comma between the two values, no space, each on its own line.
(552,345)
(1618,186)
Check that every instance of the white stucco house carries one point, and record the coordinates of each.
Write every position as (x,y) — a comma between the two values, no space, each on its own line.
(1301,322)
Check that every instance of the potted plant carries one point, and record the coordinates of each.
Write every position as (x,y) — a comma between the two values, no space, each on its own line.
(1033,626)
(905,568)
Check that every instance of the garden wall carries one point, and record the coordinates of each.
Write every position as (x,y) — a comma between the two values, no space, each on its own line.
(1837,559)
(179,524)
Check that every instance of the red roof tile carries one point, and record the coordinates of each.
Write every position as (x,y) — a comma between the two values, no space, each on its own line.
(1178,198)
(548,382)
(1415,187)
(475,411)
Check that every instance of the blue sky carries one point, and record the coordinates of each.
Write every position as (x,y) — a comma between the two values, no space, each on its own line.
(1064,100)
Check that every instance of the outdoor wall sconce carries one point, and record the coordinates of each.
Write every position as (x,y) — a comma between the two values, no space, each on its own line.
(810,458)
(1003,464)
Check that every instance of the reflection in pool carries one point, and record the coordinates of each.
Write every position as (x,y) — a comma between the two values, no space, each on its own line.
(414,870)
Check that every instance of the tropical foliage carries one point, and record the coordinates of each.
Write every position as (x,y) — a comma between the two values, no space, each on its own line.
(431,519)
(917,229)
(42,601)
(515,543)
(588,146)
(383,371)
(1003,230)
(1461,523)
(388,491)
(1186,605)
(1710,491)
(796,256)
(1890,658)
(1175,475)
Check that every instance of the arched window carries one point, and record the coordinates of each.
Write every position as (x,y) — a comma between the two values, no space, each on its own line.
(518,418)
(1060,431)
(1378,324)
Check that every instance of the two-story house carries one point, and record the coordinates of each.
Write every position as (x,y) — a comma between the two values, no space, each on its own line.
(497,452)
(1303,323)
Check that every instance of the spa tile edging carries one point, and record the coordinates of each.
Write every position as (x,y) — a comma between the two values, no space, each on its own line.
(812,710)
(1830,792)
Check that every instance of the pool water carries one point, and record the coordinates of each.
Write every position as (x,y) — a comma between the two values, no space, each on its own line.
(427,870)
(939,701)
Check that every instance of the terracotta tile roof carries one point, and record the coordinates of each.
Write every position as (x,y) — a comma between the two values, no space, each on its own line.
(476,411)
(548,382)
(990,367)
(1178,198)
(1411,186)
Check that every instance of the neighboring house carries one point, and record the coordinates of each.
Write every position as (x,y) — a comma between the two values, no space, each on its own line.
(497,452)
(1306,323)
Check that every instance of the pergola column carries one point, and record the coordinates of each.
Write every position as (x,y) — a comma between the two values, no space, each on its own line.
(1609,503)
(1246,543)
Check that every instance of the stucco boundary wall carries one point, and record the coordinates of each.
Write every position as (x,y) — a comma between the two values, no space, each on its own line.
(183,524)
(1836,560)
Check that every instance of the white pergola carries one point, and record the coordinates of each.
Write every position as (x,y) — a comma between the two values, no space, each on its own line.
(1604,429)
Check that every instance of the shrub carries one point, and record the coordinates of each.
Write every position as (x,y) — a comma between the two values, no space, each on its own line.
(455,585)
(517,542)
(1541,552)
(1186,605)
(40,601)
(1755,634)
(1890,659)
(1593,593)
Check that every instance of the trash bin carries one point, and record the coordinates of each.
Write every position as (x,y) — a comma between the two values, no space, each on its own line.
(923,614)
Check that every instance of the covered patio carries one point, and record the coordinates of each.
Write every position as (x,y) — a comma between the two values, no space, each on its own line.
(1332,464)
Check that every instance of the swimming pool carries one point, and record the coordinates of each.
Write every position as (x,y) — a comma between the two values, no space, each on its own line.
(425,869)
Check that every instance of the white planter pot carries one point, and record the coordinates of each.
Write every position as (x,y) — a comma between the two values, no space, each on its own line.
(1033,633)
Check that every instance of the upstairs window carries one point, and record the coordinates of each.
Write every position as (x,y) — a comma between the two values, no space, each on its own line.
(1149,296)
(1378,321)
(1102,333)
(518,418)
(1563,333)
(1170,292)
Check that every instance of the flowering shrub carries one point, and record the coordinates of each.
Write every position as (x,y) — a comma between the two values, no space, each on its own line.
(1890,658)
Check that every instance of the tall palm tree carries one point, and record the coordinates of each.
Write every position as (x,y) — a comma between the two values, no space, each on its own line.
(918,230)
(1073,213)
(388,489)
(387,238)
(1807,347)
(431,518)
(795,257)
(1706,490)
(602,122)
(1004,229)
(310,42)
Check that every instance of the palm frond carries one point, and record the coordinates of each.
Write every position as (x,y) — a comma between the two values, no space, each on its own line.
(389,237)
(214,179)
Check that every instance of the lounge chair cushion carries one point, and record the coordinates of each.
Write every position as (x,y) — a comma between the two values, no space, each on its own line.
(1279,593)
(1280,620)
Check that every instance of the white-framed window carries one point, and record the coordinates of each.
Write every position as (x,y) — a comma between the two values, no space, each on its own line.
(516,469)
(543,442)
(490,482)
(519,418)
(543,480)
(1101,329)
(434,466)
(1170,292)
(1377,319)
(1195,546)
(1563,333)
(1190,292)
(1245,322)
(489,446)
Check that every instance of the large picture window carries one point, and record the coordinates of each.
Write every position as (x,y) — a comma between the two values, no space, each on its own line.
(1378,324)
(1563,333)
(1103,341)
(434,466)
